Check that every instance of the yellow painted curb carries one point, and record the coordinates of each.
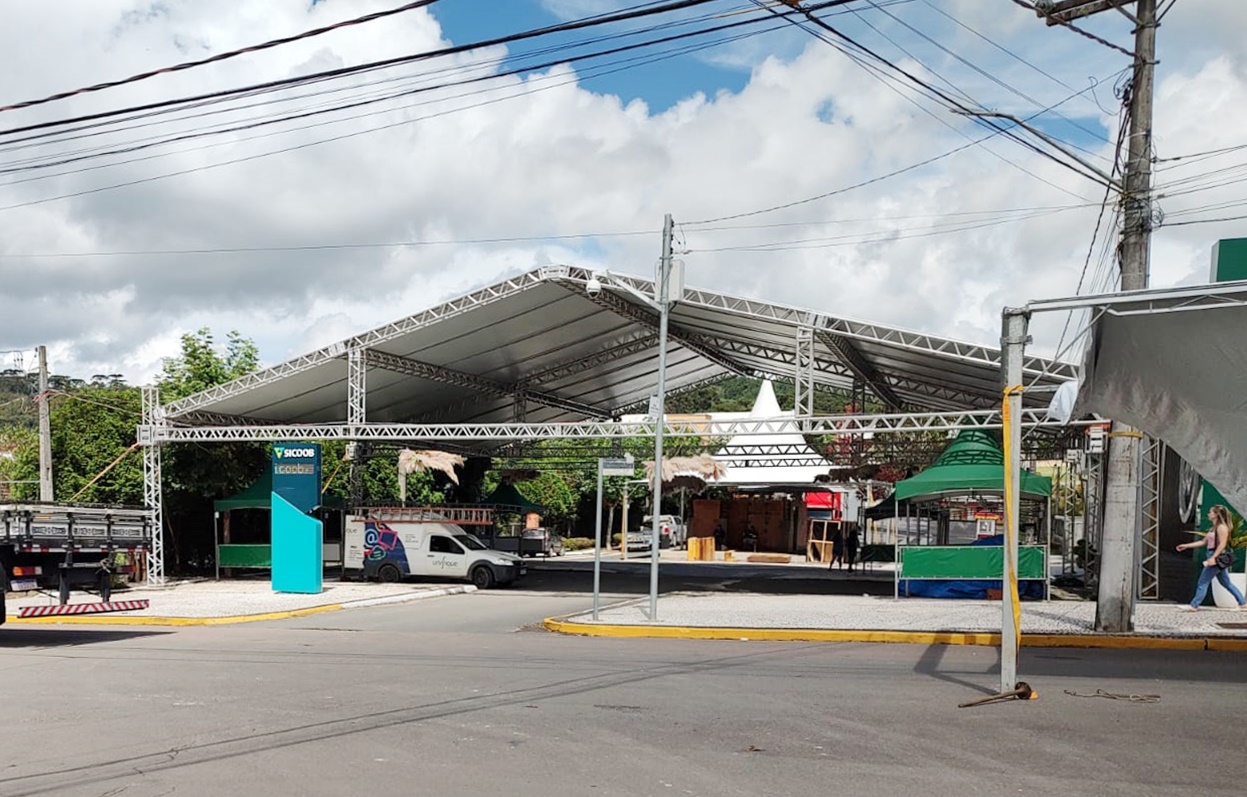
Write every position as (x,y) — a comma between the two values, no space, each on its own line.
(170,621)
(562,626)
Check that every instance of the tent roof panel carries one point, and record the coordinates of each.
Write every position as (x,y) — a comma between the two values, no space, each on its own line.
(541,335)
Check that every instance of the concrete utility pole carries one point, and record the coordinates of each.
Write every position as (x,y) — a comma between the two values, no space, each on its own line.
(1118,566)
(45,430)
(1013,340)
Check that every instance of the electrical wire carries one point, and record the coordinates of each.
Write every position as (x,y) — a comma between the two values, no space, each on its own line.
(863,183)
(951,102)
(304,145)
(220,56)
(366,102)
(579,24)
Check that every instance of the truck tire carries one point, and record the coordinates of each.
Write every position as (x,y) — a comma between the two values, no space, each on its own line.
(482,577)
(389,573)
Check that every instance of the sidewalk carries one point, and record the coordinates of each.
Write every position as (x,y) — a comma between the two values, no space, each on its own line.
(226,602)
(912,620)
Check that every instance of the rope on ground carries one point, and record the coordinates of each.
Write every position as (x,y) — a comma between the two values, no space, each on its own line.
(1117,696)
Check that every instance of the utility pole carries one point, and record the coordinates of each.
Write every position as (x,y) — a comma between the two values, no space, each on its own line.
(1118,568)
(45,430)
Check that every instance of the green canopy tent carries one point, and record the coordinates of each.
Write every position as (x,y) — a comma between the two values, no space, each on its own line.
(508,497)
(257,495)
(973,464)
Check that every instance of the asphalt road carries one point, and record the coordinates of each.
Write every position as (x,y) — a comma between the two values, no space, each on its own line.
(459,696)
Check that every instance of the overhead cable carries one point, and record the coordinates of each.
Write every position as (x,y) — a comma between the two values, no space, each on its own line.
(307,34)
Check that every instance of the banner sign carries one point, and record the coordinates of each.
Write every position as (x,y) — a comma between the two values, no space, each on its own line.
(296,474)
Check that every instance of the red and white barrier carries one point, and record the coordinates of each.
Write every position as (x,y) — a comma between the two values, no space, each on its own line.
(81,608)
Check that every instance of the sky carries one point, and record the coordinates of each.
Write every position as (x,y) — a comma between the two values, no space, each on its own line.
(795,173)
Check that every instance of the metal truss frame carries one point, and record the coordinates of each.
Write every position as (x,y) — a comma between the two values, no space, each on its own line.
(701,345)
(369,339)
(357,386)
(824,425)
(518,392)
(1152,473)
(803,385)
(153,499)
(863,371)
(855,330)
(1093,515)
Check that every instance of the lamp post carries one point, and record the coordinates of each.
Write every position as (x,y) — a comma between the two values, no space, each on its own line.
(597,281)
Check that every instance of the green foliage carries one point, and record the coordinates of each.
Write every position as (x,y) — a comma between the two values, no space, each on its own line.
(91,427)
(379,476)
(577,543)
(201,366)
(555,496)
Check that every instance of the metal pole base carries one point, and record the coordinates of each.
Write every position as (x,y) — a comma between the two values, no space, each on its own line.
(1022,691)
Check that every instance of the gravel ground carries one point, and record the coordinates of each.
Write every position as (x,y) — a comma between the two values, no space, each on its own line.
(199,599)
(906,614)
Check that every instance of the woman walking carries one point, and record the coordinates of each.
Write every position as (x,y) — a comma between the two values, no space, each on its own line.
(1217,563)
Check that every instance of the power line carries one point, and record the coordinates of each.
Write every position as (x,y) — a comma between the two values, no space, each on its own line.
(862,184)
(295,147)
(249,125)
(950,101)
(580,24)
(220,56)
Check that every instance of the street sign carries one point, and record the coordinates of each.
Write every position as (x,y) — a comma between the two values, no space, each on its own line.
(617,466)
(653,407)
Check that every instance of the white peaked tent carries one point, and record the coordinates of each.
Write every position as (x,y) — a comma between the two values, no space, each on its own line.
(751,459)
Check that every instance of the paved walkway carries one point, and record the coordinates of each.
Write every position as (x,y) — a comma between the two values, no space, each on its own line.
(848,618)
(216,602)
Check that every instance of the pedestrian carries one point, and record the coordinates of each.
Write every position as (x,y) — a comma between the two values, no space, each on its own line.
(850,547)
(837,550)
(718,535)
(1217,561)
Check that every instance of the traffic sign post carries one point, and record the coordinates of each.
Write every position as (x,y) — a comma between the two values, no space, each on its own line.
(607,466)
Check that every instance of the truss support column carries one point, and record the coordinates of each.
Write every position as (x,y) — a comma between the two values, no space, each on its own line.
(803,389)
(519,405)
(153,499)
(357,387)
(1152,473)
(1093,517)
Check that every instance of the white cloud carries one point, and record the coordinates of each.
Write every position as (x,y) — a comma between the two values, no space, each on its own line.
(562,160)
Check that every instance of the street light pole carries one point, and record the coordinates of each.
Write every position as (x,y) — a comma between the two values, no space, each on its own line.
(664,310)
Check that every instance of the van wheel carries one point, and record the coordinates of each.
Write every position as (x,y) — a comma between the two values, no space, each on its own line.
(389,573)
(482,577)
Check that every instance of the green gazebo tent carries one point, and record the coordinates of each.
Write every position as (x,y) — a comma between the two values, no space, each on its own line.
(972,464)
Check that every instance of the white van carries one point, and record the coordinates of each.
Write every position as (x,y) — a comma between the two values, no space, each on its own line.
(674,532)
(391,550)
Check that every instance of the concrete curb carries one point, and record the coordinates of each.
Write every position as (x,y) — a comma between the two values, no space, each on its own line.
(238,618)
(1109,641)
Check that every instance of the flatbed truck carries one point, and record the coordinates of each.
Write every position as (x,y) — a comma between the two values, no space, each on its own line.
(62,547)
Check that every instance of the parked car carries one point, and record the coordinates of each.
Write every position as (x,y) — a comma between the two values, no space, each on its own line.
(542,541)
(674,534)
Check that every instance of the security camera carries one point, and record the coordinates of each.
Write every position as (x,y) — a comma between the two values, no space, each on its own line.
(594,286)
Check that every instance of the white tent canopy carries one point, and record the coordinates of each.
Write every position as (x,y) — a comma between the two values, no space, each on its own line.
(735,455)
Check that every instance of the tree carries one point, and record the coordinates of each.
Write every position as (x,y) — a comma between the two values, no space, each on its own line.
(91,428)
(201,366)
(196,473)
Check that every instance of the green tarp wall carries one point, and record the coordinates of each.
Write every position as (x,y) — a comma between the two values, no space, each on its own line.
(970,561)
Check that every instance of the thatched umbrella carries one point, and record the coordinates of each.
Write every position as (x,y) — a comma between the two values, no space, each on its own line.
(415,461)
(687,474)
